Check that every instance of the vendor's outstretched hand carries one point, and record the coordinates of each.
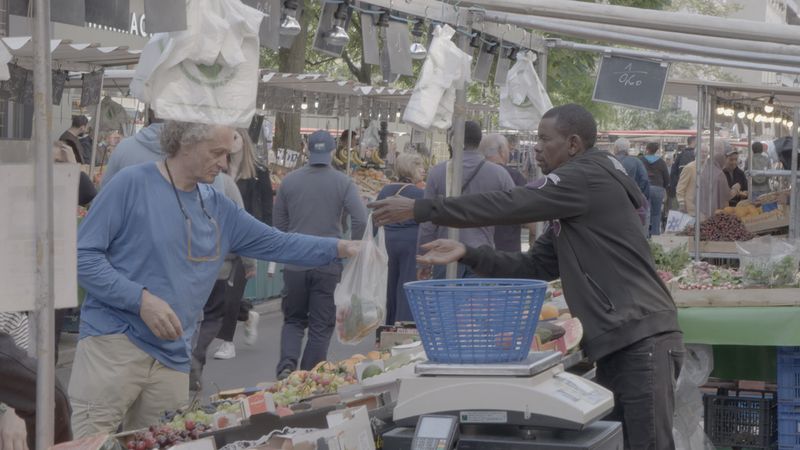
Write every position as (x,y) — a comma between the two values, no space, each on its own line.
(394,209)
(442,251)
(348,249)
(13,434)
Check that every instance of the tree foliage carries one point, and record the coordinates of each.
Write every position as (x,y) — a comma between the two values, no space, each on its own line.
(570,75)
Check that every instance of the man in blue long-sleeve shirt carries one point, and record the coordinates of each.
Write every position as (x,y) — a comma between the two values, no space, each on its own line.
(312,200)
(148,255)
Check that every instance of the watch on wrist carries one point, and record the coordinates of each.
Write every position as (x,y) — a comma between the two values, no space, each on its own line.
(3,408)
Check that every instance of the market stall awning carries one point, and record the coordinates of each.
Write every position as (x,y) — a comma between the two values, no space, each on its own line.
(292,87)
(784,96)
(72,56)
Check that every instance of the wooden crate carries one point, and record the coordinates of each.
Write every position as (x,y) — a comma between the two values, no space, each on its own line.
(714,247)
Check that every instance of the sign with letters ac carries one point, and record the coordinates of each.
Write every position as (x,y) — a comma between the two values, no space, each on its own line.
(633,82)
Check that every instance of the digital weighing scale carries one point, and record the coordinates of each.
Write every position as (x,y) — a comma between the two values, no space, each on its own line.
(531,404)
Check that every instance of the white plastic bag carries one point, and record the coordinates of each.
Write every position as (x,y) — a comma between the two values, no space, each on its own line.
(207,73)
(446,69)
(360,296)
(523,99)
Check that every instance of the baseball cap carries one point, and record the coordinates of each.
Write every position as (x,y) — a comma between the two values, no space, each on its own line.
(320,146)
(731,151)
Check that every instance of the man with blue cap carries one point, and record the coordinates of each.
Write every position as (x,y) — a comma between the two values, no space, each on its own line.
(311,200)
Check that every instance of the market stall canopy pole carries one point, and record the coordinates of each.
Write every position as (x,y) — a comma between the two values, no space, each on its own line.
(646,18)
(737,45)
(578,30)
(558,43)
(43,219)
(794,210)
(455,16)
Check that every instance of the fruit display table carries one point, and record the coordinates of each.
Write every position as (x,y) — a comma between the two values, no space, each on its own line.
(744,338)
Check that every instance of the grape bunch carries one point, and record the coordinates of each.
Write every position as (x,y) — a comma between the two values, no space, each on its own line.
(165,436)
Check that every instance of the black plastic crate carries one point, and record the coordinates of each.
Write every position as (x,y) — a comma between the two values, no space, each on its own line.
(742,419)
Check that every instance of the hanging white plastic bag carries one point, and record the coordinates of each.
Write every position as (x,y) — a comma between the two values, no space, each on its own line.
(446,69)
(207,73)
(360,296)
(523,99)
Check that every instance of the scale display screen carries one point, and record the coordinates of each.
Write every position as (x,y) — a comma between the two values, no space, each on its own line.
(435,427)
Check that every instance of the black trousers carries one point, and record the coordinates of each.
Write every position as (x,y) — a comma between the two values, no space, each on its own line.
(643,378)
(206,332)
(235,307)
(307,303)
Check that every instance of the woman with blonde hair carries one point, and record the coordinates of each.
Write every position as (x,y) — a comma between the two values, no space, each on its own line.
(255,186)
(401,238)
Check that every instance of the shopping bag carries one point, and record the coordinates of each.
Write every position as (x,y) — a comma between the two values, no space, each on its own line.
(360,296)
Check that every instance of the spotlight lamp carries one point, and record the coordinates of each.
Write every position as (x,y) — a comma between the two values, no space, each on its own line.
(289,24)
(750,114)
(304,105)
(770,106)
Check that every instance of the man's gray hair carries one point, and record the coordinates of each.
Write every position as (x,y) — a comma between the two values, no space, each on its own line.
(407,164)
(621,146)
(176,134)
(494,144)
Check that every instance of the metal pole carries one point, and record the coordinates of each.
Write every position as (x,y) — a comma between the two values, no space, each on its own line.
(711,111)
(679,56)
(541,67)
(749,155)
(457,144)
(96,132)
(43,220)
(580,31)
(698,165)
(349,133)
(794,211)
(678,22)
(708,41)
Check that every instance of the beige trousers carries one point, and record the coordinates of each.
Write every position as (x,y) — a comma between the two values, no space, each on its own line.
(114,382)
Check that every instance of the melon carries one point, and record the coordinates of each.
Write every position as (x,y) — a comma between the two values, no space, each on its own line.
(573,332)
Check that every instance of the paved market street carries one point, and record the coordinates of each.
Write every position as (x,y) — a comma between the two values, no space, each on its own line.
(251,365)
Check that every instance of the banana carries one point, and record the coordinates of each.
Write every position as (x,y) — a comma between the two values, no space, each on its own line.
(377,159)
(355,158)
(336,161)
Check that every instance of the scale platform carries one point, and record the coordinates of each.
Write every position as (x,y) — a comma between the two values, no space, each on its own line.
(536,392)
(536,362)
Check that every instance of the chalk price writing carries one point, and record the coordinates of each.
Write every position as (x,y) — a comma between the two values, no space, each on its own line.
(630,77)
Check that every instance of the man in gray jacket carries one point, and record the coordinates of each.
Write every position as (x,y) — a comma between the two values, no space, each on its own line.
(312,200)
(144,146)
(595,245)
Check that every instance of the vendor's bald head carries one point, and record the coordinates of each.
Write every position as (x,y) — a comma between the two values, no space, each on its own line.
(721,150)
(622,147)
(495,148)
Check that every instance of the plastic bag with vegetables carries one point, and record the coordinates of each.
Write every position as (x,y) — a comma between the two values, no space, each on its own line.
(360,296)
(769,262)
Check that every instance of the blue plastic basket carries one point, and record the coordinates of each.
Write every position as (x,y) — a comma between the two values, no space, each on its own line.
(475,320)
(789,397)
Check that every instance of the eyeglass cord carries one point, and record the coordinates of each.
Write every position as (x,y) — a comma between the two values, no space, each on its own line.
(177,197)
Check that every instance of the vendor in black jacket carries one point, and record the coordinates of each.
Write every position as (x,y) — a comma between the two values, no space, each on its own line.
(595,244)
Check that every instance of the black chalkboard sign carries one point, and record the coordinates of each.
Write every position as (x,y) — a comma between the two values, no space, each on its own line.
(632,82)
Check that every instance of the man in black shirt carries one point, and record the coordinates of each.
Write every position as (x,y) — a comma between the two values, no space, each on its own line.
(737,180)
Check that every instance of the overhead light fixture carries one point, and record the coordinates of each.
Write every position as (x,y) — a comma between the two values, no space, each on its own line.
(750,114)
(289,24)
(789,124)
(316,103)
(397,114)
(338,35)
(741,113)
(770,106)
(759,118)
(417,50)
(720,109)
(304,105)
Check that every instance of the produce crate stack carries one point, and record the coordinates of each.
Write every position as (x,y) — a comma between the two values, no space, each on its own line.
(741,419)
(789,397)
